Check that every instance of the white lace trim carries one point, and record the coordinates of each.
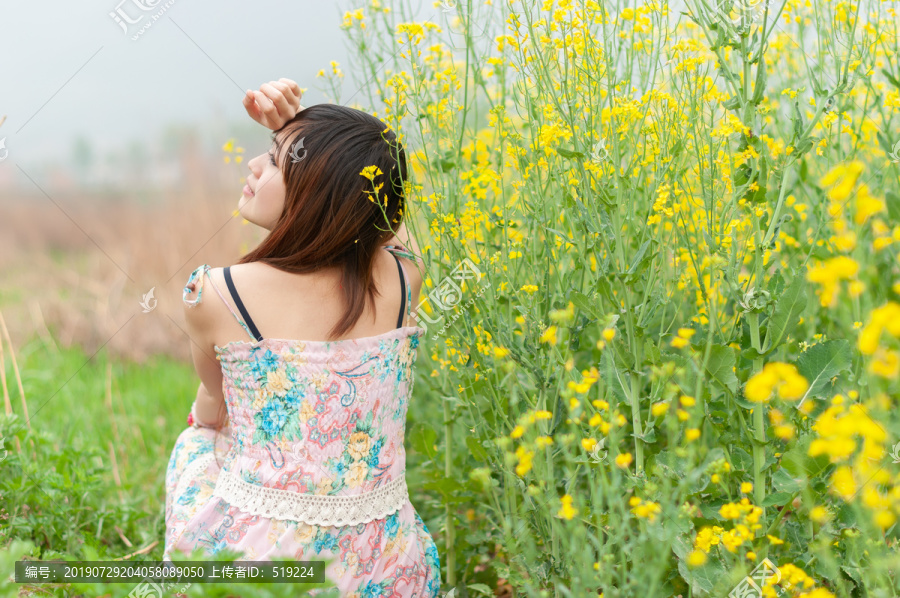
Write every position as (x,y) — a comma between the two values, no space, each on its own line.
(313,509)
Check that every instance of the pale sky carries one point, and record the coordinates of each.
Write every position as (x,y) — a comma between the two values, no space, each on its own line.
(70,70)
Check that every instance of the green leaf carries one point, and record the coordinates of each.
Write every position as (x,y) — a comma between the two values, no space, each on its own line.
(614,377)
(783,481)
(702,579)
(680,361)
(787,311)
(586,304)
(893,205)
(446,486)
(649,436)
(854,573)
(797,463)
(741,459)
(639,258)
(721,367)
(886,144)
(805,145)
(778,499)
(446,165)
(652,356)
(476,449)
(733,103)
(480,587)
(423,438)
(804,171)
(569,153)
(890,77)
(822,362)
(558,412)
(798,120)
(846,516)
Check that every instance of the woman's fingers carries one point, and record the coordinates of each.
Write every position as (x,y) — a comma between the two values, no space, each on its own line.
(284,110)
(294,91)
(250,106)
(290,90)
(274,104)
(268,111)
(293,99)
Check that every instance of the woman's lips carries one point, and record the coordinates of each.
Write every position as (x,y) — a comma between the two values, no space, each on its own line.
(248,191)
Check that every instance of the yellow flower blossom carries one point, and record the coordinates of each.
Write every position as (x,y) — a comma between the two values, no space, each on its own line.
(567,511)
(782,377)
(623,460)
(549,335)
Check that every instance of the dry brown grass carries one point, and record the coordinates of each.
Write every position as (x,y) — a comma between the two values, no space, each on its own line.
(80,264)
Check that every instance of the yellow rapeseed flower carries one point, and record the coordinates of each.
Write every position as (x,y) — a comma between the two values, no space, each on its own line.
(842,482)
(782,377)
(567,511)
(696,558)
(623,460)
(549,335)
(525,460)
(885,317)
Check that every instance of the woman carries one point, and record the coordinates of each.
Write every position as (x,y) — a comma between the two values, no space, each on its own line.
(295,447)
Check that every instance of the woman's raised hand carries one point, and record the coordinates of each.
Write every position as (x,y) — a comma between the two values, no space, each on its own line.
(274,104)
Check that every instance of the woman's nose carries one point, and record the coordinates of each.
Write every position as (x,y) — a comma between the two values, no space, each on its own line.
(254,165)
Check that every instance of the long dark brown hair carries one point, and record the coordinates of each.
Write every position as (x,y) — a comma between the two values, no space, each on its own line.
(331,216)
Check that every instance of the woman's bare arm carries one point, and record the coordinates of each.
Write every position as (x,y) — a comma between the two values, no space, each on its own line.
(209,410)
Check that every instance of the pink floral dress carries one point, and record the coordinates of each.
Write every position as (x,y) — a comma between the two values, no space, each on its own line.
(311,462)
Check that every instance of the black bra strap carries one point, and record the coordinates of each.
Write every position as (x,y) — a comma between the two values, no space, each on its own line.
(240,304)
(402,292)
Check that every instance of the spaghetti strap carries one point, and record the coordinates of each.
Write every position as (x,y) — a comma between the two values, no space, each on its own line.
(195,283)
(254,332)
(405,290)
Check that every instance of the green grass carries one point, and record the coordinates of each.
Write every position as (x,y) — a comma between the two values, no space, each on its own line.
(59,497)
(69,449)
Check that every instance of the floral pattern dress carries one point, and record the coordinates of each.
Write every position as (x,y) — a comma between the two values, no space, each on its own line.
(311,463)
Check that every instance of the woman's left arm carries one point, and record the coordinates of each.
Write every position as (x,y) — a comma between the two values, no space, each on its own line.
(209,406)
(209,411)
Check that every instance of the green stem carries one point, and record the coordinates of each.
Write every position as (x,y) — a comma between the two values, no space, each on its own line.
(636,395)
(448,472)
(554,536)
(759,426)
(784,511)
